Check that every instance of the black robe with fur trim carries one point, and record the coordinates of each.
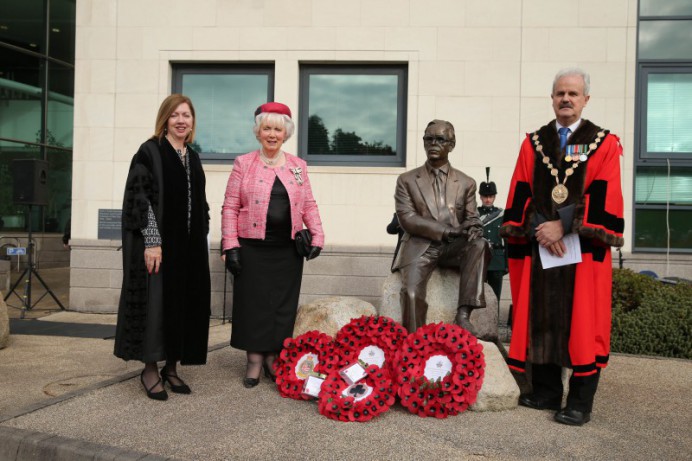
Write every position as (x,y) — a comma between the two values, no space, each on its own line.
(562,315)
(164,316)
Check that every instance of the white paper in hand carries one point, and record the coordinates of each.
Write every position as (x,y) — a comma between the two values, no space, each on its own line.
(572,253)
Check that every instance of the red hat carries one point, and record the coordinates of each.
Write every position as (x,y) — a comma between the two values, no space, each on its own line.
(275,107)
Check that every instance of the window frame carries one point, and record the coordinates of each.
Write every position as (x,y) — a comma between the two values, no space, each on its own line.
(399,69)
(642,158)
(179,69)
(646,69)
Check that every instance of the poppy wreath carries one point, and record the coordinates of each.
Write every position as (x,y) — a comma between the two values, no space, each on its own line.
(373,339)
(310,352)
(360,401)
(456,354)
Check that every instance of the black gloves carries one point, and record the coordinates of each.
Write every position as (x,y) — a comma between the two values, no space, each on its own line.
(314,252)
(233,261)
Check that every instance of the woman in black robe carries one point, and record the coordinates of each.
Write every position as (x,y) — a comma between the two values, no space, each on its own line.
(165,301)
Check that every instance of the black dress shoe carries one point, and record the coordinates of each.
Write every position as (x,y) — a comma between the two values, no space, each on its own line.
(572,417)
(250,382)
(161,395)
(540,403)
(181,388)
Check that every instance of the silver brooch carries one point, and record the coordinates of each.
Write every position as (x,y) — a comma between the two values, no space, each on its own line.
(297,172)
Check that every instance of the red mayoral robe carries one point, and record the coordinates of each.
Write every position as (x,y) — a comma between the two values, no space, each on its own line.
(563,315)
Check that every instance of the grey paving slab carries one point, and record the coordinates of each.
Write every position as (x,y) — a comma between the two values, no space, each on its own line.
(641,413)
(67,398)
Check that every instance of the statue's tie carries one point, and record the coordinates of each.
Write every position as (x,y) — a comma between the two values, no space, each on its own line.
(442,211)
(563,137)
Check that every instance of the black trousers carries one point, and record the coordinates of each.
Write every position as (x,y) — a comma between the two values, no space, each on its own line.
(495,282)
(547,382)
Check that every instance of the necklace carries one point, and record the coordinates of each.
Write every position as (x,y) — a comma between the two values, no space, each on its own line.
(560,191)
(182,151)
(270,161)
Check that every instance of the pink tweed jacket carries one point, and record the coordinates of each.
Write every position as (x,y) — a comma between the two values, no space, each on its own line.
(244,211)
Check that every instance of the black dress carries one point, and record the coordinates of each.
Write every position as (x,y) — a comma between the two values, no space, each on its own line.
(265,294)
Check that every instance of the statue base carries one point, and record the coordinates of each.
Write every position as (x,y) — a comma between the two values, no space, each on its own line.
(443,293)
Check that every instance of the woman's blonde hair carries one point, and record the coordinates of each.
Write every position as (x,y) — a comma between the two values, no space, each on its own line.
(167,107)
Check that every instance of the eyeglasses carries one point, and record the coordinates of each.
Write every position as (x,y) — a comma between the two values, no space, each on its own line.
(438,139)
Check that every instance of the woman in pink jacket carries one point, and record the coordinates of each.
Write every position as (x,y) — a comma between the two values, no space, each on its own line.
(268,199)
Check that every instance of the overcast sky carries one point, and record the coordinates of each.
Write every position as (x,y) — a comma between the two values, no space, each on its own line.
(365,104)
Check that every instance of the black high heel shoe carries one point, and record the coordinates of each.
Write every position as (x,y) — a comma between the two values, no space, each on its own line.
(179,388)
(161,395)
(250,382)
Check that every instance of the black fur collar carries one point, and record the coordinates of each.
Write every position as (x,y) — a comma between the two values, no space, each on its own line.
(586,133)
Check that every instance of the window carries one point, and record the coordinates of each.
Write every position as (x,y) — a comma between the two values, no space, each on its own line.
(654,225)
(225,97)
(36,105)
(663,203)
(666,102)
(353,114)
(665,40)
(663,185)
(663,163)
(665,7)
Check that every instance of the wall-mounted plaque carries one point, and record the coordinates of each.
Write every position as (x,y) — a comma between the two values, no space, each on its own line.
(110,224)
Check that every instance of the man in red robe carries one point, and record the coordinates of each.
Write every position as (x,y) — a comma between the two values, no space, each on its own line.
(565,201)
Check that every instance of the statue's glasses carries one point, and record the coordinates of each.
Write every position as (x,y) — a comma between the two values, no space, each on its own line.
(440,140)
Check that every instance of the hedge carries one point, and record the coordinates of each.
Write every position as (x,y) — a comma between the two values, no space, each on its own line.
(651,317)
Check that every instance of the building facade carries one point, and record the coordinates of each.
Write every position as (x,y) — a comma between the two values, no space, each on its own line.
(363,79)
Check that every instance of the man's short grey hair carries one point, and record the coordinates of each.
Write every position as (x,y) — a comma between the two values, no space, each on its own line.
(569,71)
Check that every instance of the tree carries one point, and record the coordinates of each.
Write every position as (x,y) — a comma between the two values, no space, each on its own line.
(346,143)
(318,136)
(378,148)
(196,147)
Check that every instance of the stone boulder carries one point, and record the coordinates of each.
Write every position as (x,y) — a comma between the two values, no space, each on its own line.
(443,293)
(500,391)
(328,315)
(4,323)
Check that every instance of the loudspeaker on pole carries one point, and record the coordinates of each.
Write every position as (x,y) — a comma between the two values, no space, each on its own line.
(30,181)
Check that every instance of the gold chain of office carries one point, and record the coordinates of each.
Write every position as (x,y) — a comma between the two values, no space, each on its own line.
(560,192)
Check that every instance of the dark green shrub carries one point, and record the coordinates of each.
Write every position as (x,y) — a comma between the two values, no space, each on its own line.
(651,317)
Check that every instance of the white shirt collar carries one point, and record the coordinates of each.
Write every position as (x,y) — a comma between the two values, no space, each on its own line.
(572,127)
